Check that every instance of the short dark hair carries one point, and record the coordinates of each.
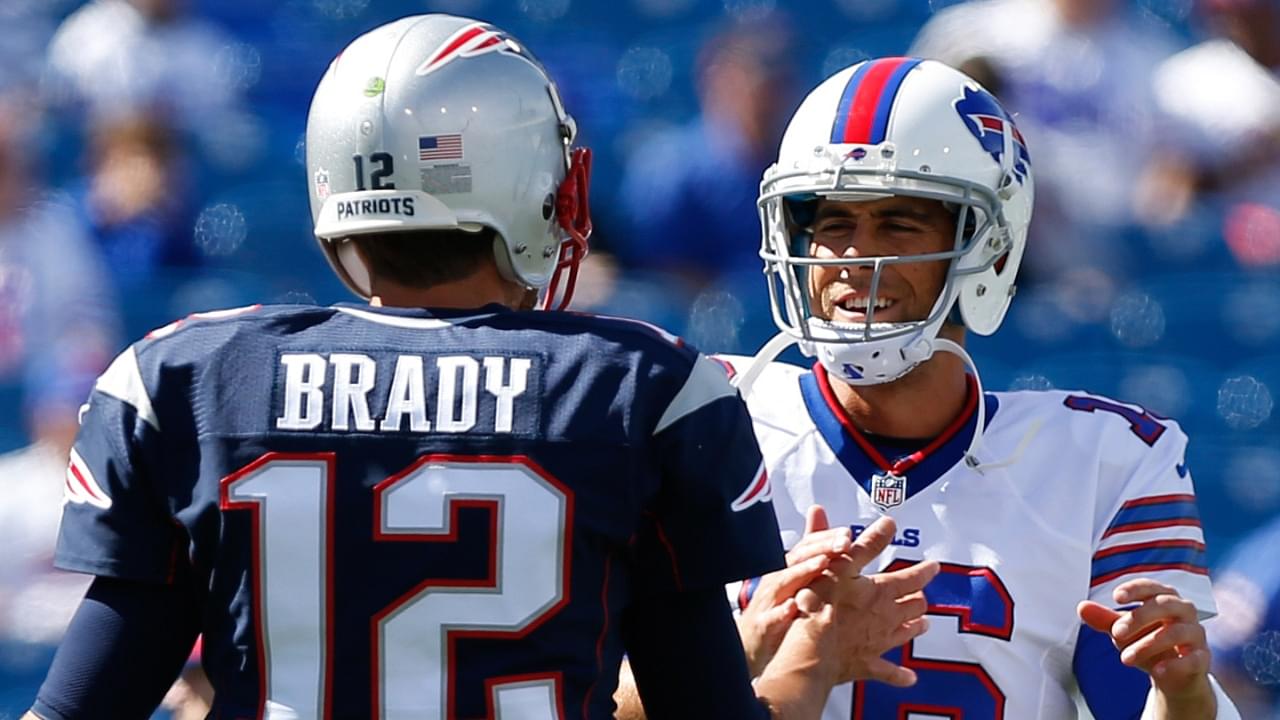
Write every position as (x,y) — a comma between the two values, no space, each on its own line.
(425,258)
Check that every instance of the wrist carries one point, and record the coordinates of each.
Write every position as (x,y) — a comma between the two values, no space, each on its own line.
(1197,702)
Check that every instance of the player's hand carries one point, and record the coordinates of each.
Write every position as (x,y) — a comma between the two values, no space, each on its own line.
(772,608)
(1163,637)
(872,614)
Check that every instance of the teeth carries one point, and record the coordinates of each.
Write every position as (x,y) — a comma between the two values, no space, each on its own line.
(860,303)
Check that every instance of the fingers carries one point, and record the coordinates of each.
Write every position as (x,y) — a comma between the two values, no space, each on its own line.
(815,519)
(1147,650)
(1161,609)
(808,601)
(832,541)
(1098,617)
(908,631)
(890,674)
(785,583)
(908,580)
(1136,591)
(777,618)
(872,541)
(1179,672)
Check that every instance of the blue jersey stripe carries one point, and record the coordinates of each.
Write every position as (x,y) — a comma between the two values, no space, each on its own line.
(1180,512)
(1119,562)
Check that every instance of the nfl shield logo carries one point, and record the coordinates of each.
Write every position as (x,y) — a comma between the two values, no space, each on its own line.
(888,490)
(322,183)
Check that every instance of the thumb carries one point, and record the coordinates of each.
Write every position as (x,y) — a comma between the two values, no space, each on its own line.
(816,519)
(873,540)
(1098,617)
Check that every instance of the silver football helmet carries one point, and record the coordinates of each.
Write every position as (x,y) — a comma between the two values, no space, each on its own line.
(436,122)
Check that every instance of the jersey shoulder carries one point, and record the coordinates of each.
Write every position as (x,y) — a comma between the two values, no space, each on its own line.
(774,399)
(1085,420)
(622,334)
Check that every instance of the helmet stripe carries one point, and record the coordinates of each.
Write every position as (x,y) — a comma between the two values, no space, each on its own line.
(863,113)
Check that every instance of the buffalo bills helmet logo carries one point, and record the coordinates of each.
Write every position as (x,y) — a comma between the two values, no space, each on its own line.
(469,41)
(987,121)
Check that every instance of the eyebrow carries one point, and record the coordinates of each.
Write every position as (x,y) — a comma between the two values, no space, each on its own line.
(908,213)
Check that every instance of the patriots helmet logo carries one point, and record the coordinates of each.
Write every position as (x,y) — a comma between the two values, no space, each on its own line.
(987,121)
(470,41)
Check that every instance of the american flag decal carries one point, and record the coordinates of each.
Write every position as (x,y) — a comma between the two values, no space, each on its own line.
(440,147)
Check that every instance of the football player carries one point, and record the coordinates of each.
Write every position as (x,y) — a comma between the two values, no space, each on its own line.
(438,505)
(893,222)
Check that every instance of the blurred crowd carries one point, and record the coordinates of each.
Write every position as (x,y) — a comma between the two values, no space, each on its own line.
(151,166)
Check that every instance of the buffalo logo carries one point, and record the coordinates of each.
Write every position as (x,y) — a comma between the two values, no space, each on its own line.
(469,41)
(988,121)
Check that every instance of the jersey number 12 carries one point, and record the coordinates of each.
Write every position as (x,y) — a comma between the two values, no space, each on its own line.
(291,499)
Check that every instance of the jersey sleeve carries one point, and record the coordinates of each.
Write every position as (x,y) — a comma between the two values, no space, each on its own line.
(712,521)
(1151,528)
(113,522)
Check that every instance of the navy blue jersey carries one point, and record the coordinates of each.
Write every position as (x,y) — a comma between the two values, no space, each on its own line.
(410,513)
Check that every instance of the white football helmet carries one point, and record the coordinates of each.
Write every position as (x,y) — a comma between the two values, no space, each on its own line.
(897,126)
(436,122)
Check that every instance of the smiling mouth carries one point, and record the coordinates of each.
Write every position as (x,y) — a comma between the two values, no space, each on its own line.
(853,308)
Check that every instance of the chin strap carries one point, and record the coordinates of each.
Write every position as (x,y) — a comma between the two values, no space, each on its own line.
(971,454)
(745,379)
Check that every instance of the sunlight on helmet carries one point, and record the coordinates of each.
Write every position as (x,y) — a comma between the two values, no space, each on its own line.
(1262,658)
(644,73)
(1244,402)
(749,10)
(220,230)
(1137,320)
(841,57)
(239,65)
(715,320)
(1163,389)
(544,10)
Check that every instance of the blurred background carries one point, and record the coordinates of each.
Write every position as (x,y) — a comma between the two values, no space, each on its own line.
(151,165)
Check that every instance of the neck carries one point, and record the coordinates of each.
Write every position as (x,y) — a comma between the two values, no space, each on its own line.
(919,405)
(483,287)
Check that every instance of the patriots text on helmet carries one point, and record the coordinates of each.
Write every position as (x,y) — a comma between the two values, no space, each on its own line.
(348,209)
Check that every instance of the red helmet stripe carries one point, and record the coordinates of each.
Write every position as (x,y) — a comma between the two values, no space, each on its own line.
(862,111)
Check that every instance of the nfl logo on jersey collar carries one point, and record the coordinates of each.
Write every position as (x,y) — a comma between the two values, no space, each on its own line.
(888,490)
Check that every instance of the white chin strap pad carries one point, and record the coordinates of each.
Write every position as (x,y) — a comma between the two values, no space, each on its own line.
(354,267)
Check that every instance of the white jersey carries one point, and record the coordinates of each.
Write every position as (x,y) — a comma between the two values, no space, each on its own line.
(1095,493)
